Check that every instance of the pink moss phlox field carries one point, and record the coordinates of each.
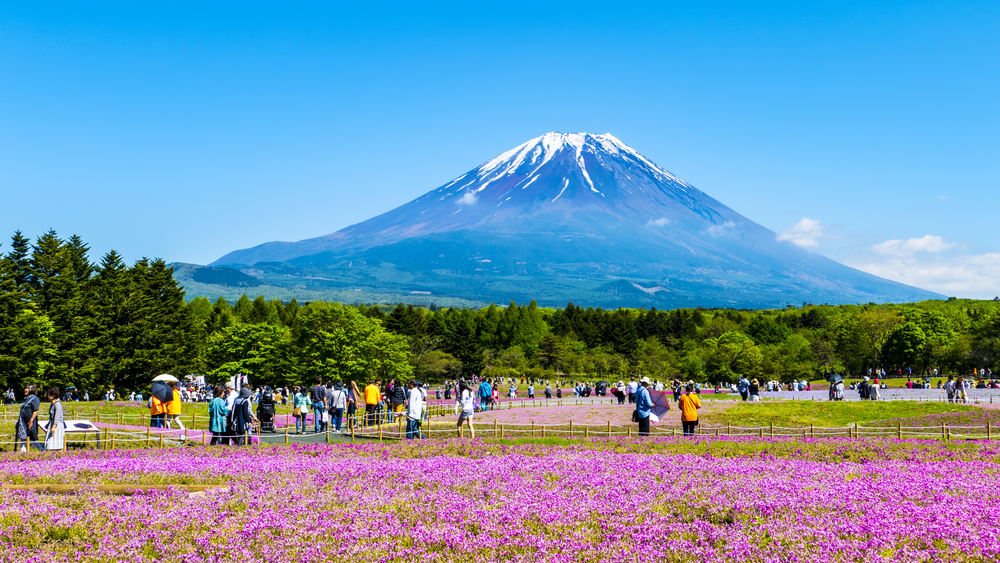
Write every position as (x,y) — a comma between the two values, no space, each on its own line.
(603,500)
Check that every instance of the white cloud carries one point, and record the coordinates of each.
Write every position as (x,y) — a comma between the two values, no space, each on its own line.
(975,276)
(661,222)
(899,247)
(719,230)
(942,197)
(806,233)
(468,199)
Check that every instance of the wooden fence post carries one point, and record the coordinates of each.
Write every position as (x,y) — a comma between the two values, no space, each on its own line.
(989,433)
(899,431)
(772,429)
(501,431)
(812,430)
(609,429)
(147,437)
(729,430)
(161,439)
(571,428)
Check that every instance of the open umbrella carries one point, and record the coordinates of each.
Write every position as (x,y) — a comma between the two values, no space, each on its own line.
(661,405)
(163,391)
(165,377)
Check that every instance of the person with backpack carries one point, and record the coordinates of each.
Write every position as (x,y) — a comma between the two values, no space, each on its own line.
(485,395)
(242,417)
(864,389)
(397,400)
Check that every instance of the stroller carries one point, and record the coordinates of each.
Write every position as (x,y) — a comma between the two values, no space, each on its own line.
(265,411)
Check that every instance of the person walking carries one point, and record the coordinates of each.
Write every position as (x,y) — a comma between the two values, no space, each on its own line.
(217,415)
(55,432)
(754,390)
(468,404)
(174,407)
(485,395)
(157,412)
(338,403)
(414,411)
(318,395)
(643,406)
(689,404)
(373,396)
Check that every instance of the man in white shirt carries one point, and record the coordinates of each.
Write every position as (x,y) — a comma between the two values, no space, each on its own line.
(230,402)
(414,411)
(632,388)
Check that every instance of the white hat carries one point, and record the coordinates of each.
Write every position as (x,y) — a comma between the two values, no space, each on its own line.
(866,378)
(644,380)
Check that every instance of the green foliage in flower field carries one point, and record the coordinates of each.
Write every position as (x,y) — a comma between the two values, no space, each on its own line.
(826,414)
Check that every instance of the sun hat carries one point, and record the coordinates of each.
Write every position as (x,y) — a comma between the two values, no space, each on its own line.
(866,378)
(644,380)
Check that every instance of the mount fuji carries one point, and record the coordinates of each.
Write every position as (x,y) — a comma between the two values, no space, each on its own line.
(566,217)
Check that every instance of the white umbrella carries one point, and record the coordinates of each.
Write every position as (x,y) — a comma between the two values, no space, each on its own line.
(165,377)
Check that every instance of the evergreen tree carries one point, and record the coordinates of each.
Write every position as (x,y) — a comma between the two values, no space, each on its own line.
(55,288)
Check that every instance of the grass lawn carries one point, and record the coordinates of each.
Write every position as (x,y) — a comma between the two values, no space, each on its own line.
(825,414)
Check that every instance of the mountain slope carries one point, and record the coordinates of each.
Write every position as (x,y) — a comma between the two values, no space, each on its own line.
(569,217)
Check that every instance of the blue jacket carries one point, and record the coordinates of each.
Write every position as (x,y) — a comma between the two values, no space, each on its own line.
(485,390)
(643,402)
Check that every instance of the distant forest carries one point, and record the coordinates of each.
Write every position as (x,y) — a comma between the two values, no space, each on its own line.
(67,321)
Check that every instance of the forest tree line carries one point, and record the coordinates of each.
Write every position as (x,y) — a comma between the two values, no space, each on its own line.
(67,321)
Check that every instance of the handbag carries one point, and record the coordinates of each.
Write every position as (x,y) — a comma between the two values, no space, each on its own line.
(297,412)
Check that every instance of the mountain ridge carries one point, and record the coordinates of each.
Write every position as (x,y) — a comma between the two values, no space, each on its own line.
(576,211)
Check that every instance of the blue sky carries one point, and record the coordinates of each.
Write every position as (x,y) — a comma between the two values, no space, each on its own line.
(869,132)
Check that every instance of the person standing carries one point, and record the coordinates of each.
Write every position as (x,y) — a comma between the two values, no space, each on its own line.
(414,411)
(398,396)
(531,391)
(632,388)
(300,408)
(754,390)
(744,387)
(26,429)
(217,415)
(55,432)
(689,404)
(468,406)
(643,406)
(243,417)
(231,396)
(372,397)
(318,395)
(338,403)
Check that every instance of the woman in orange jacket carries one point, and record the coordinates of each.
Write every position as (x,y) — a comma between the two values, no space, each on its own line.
(174,408)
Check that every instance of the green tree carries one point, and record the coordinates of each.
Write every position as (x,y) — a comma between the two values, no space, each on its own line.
(731,355)
(254,350)
(337,342)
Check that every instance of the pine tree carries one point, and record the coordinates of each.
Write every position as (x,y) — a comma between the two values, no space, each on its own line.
(54,287)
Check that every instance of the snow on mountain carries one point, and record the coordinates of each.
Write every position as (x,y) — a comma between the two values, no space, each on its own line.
(579,209)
